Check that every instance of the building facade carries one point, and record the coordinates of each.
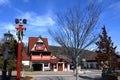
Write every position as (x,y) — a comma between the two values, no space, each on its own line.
(60,64)
(39,54)
(41,58)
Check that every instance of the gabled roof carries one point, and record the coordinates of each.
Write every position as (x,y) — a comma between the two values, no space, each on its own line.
(32,41)
(55,59)
(25,56)
(91,57)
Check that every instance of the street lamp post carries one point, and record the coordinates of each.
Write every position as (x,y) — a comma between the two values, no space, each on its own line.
(7,38)
(20,33)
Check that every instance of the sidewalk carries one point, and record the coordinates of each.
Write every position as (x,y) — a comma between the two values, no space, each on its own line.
(47,73)
(88,75)
(42,73)
(89,72)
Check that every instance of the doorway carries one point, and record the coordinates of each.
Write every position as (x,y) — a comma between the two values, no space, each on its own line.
(60,66)
(37,67)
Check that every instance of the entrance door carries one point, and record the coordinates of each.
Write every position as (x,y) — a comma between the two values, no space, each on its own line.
(37,67)
(60,66)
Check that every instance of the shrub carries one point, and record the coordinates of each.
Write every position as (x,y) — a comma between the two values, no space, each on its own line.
(109,76)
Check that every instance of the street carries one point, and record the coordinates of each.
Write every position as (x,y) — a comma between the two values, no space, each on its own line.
(64,78)
(55,78)
(88,75)
(50,75)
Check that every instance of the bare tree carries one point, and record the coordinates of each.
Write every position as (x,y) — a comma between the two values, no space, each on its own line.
(75,30)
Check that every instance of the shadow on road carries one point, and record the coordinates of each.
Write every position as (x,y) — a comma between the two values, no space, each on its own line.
(86,77)
(51,78)
(59,78)
(90,78)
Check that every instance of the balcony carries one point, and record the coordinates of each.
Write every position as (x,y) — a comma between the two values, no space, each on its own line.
(37,57)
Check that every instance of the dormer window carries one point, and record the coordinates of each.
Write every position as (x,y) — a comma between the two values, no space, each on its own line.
(40,46)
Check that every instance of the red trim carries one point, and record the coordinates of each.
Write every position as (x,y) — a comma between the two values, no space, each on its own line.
(40,58)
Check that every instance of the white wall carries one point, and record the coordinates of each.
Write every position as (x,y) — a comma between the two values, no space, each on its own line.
(26,63)
(47,67)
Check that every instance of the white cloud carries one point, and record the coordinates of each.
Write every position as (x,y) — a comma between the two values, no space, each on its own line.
(42,21)
(3,2)
(113,11)
(5,27)
(36,25)
(115,6)
(36,20)
(9,27)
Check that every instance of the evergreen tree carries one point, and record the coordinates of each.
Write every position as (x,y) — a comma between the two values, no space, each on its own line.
(106,51)
(12,54)
(13,49)
(2,48)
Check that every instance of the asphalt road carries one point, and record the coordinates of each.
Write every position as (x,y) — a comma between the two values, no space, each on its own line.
(55,78)
(89,75)
(81,77)
(92,75)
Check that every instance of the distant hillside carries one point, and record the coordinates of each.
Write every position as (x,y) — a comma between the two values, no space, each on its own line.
(59,51)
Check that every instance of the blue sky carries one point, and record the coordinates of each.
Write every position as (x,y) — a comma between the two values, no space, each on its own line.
(41,13)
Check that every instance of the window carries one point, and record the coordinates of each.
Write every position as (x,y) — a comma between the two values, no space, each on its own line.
(39,44)
(45,65)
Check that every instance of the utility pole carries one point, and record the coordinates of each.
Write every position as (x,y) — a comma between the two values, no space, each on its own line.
(20,33)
